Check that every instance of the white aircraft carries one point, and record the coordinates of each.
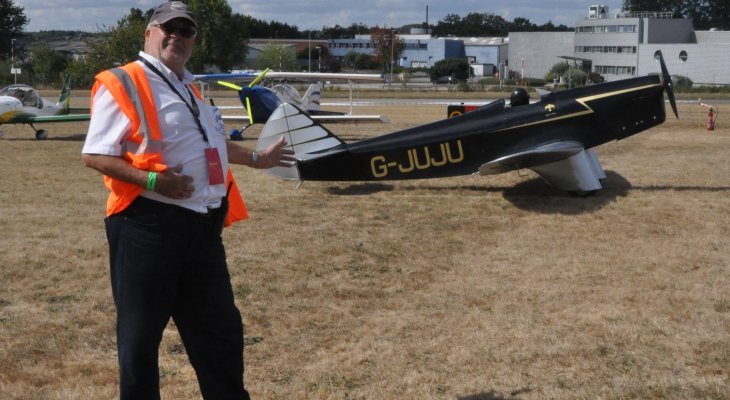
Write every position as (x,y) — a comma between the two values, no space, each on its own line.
(260,101)
(21,104)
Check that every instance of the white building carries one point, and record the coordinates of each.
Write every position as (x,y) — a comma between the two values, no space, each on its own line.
(423,50)
(624,44)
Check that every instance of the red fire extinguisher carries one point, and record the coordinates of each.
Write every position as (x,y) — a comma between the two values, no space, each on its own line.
(711,120)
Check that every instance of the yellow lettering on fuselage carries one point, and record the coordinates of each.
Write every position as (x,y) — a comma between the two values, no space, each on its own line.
(418,159)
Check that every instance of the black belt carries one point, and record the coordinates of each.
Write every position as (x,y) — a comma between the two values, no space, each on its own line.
(142,205)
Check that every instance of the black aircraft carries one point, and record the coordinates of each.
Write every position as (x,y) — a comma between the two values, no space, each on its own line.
(552,137)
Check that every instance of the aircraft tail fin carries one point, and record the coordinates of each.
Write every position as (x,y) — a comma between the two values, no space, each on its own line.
(311,98)
(64,100)
(305,137)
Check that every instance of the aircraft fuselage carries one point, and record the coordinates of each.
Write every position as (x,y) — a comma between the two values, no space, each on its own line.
(590,115)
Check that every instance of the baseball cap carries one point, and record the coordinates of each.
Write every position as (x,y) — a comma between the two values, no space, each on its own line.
(173,9)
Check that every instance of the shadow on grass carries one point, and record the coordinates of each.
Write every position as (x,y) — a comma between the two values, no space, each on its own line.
(532,195)
(79,137)
(492,395)
(360,189)
(536,195)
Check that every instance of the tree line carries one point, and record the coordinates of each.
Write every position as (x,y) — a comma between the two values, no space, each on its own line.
(705,14)
(120,44)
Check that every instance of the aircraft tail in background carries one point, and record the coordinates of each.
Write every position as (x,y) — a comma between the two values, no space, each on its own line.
(64,100)
(311,99)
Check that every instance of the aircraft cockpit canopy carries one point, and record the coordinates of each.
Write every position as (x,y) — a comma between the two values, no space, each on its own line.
(26,94)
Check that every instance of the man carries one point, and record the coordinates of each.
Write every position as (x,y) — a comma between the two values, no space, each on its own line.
(164,155)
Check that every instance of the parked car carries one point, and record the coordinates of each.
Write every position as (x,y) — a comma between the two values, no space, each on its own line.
(444,79)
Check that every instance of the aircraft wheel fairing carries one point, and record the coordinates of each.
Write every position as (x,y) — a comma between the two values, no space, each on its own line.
(41,134)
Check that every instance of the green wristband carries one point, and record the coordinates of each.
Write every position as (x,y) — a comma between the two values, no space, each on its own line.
(151,181)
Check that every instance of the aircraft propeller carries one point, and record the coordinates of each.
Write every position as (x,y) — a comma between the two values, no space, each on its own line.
(250,85)
(667,80)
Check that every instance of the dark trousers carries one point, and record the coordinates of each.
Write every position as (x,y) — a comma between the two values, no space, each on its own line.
(168,262)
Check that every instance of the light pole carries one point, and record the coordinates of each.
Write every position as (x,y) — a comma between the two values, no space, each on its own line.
(319,58)
(309,48)
(12,60)
(392,46)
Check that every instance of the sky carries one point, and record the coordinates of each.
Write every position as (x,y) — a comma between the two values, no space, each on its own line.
(96,15)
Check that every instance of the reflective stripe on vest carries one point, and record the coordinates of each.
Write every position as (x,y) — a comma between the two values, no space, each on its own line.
(130,88)
(148,139)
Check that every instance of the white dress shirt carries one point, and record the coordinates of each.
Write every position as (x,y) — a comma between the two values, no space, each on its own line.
(182,142)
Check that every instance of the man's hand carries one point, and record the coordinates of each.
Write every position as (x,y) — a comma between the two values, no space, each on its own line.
(275,156)
(171,183)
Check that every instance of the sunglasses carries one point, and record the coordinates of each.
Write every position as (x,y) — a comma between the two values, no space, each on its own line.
(184,31)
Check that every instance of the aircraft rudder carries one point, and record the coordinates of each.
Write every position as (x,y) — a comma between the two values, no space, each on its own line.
(312,97)
(64,99)
(303,135)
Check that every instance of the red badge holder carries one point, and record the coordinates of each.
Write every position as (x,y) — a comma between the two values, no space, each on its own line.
(215,169)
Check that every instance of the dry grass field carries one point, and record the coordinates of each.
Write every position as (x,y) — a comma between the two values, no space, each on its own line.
(470,288)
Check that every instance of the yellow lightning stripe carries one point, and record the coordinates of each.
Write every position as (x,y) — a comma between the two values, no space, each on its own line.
(582,101)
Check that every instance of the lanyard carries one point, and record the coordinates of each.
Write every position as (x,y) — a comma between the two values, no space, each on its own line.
(193,108)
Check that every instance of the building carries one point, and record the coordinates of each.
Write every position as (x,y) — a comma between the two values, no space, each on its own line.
(534,53)
(292,46)
(423,50)
(485,54)
(624,44)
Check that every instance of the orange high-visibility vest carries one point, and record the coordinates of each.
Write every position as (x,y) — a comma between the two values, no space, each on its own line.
(131,90)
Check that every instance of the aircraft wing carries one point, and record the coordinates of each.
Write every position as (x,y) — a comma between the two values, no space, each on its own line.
(566,165)
(321,118)
(546,154)
(27,119)
(305,76)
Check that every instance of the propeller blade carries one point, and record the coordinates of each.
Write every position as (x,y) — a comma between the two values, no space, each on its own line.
(230,85)
(259,78)
(667,80)
(250,113)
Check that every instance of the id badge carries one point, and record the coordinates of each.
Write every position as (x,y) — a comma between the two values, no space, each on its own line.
(215,169)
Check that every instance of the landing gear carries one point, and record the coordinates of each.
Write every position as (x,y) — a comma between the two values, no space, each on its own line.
(237,134)
(40,134)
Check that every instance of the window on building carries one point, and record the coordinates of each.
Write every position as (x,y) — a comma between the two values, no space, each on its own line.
(615,70)
(683,56)
(607,29)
